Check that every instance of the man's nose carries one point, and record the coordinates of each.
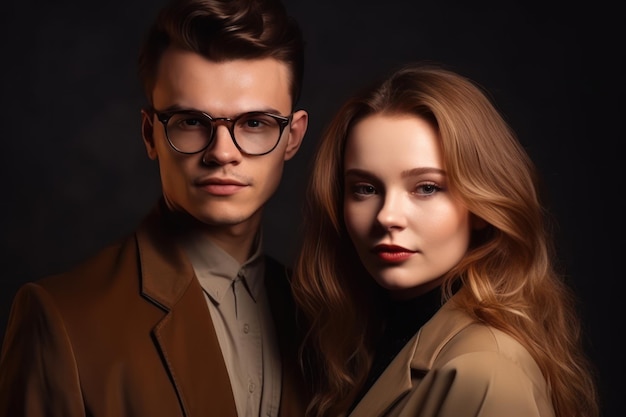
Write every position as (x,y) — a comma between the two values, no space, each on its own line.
(222,149)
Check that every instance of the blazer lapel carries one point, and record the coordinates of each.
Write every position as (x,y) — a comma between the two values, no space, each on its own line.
(437,332)
(416,357)
(185,336)
(391,385)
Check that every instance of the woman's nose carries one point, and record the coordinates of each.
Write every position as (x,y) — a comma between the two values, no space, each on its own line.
(392,214)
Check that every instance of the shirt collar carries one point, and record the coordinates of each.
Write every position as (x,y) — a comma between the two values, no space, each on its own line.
(217,270)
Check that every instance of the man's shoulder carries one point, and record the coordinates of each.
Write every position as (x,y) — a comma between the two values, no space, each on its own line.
(102,263)
(122,250)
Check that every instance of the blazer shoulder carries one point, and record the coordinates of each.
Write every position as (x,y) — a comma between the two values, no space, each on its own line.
(478,337)
(491,348)
(452,332)
(97,267)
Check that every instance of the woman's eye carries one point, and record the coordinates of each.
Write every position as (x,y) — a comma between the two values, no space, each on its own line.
(427,189)
(364,189)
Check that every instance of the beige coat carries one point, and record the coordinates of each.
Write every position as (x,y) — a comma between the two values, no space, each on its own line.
(128,333)
(455,367)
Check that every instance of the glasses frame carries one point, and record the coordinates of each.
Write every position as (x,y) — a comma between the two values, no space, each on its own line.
(165,116)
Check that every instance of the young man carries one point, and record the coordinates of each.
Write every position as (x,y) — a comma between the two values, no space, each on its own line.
(186,317)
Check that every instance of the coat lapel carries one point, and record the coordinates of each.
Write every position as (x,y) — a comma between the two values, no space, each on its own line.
(416,358)
(437,332)
(185,336)
(391,385)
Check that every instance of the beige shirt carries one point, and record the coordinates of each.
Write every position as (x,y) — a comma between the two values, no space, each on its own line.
(240,311)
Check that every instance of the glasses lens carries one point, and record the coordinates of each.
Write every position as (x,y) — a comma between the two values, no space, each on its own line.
(256,133)
(189,132)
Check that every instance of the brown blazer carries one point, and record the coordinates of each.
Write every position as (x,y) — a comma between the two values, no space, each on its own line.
(128,333)
(456,367)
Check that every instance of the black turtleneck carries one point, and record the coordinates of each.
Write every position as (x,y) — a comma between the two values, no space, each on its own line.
(403,319)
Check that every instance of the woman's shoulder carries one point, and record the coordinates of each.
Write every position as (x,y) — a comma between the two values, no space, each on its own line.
(454,339)
(487,340)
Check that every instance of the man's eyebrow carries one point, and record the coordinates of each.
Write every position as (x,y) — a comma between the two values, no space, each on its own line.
(177,107)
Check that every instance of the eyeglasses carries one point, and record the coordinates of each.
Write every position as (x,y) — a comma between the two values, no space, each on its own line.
(253,133)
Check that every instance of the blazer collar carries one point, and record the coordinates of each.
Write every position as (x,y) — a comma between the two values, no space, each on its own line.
(165,271)
(185,336)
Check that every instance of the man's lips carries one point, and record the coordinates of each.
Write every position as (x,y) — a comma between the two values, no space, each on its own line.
(220,186)
(392,253)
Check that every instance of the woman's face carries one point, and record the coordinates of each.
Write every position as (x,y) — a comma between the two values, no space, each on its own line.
(406,226)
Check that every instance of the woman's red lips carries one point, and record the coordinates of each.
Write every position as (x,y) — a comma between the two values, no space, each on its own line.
(390,248)
(392,253)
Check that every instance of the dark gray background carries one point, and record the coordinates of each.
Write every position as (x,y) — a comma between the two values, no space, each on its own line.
(76,176)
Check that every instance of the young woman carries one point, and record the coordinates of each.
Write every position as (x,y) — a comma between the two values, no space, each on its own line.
(420,184)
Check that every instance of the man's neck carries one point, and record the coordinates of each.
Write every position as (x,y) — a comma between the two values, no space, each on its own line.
(238,240)
(237,243)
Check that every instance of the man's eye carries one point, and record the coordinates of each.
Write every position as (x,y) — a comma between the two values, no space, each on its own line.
(252,123)
(256,121)
(186,122)
(191,122)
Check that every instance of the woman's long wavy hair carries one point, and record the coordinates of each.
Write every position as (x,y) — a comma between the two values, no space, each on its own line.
(508,274)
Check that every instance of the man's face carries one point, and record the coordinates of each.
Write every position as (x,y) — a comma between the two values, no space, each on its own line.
(220,186)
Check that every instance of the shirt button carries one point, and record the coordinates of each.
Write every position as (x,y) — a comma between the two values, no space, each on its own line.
(251,387)
(246,328)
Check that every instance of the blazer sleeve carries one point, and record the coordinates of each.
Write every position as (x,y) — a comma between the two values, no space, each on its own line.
(38,372)
(485,384)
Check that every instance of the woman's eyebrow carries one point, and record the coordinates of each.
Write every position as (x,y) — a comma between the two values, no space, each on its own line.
(422,170)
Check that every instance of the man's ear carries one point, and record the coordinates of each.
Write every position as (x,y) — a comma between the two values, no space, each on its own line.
(299,124)
(147,133)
